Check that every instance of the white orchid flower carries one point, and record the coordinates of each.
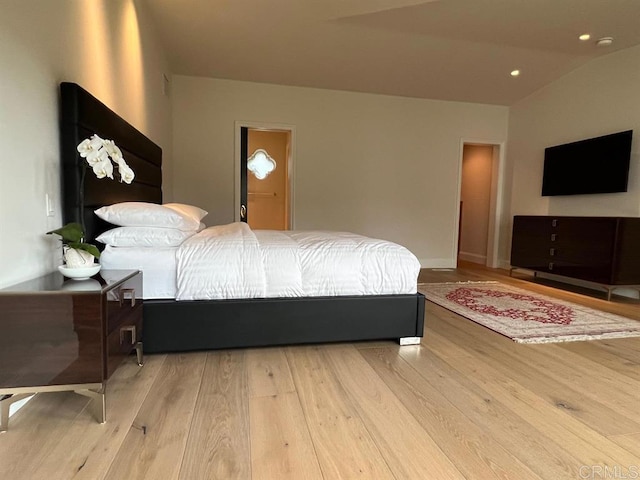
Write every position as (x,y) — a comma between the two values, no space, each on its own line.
(103,168)
(97,156)
(100,154)
(90,148)
(114,152)
(84,147)
(126,173)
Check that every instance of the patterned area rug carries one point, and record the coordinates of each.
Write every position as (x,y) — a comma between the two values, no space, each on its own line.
(527,317)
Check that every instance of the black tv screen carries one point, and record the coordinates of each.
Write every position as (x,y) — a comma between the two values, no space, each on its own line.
(595,165)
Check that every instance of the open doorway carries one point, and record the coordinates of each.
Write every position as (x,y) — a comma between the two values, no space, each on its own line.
(479,203)
(264,175)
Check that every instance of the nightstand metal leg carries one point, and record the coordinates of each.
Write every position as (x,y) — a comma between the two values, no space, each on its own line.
(95,391)
(5,405)
(98,405)
(140,354)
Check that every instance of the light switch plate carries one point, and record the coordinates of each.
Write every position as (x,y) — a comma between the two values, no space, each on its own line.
(48,205)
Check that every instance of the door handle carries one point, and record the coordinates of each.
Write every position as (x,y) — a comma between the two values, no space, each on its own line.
(243,212)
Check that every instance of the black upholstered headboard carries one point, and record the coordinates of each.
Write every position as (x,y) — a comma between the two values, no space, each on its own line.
(82,115)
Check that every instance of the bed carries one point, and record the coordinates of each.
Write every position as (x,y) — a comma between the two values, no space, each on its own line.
(171,325)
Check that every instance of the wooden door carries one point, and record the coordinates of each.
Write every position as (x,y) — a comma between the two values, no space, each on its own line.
(264,182)
(267,185)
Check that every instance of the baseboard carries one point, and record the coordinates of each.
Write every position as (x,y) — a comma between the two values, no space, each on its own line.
(473,257)
(504,264)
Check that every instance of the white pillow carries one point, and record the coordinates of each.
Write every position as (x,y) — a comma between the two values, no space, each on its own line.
(190,210)
(141,214)
(144,237)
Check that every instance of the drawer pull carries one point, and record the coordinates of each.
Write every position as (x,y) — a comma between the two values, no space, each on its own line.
(552,252)
(131,291)
(554,223)
(553,237)
(550,265)
(132,330)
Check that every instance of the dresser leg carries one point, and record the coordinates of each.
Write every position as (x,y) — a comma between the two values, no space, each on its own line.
(139,354)
(98,404)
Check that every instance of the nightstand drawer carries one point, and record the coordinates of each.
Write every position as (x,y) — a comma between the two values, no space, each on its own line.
(50,339)
(122,301)
(123,339)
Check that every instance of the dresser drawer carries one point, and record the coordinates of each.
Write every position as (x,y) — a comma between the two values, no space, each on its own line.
(531,242)
(585,241)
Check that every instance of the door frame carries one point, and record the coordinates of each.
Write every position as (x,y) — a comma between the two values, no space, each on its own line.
(496,201)
(279,127)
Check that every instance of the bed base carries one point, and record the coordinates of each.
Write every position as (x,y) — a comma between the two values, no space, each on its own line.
(171,326)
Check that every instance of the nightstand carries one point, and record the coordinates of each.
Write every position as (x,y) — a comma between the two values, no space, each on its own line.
(60,334)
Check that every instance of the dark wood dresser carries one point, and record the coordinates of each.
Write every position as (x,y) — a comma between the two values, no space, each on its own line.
(602,250)
(61,334)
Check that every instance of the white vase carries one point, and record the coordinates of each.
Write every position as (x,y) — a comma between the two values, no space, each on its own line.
(75,258)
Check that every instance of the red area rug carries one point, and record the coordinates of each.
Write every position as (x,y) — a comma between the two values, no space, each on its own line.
(527,317)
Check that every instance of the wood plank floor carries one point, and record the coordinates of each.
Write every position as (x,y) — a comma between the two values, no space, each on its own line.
(465,404)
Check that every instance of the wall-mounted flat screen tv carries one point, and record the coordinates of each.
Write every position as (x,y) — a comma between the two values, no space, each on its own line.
(594,165)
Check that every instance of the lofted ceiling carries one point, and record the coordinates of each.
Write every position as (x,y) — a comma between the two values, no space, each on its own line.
(462,50)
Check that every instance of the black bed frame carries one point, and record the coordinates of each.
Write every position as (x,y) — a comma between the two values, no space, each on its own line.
(171,326)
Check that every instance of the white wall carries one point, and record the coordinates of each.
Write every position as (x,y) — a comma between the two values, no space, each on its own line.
(599,98)
(378,165)
(106,46)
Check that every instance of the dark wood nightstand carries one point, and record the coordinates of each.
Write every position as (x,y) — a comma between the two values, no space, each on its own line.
(59,334)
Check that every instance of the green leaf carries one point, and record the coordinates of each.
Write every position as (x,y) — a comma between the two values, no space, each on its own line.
(71,232)
(87,247)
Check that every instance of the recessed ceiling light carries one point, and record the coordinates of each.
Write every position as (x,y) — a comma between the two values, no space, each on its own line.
(515,73)
(584,37)
(604,41)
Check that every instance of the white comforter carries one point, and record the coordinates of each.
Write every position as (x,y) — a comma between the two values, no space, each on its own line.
(232,261)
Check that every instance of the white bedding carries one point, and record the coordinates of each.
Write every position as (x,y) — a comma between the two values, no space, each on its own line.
(232,261)
(158,266)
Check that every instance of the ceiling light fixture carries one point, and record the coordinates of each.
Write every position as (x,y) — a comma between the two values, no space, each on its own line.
(604,41)
(584,37)
(515,73)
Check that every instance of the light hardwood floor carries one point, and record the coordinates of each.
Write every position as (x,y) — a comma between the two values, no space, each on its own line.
(465,404)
